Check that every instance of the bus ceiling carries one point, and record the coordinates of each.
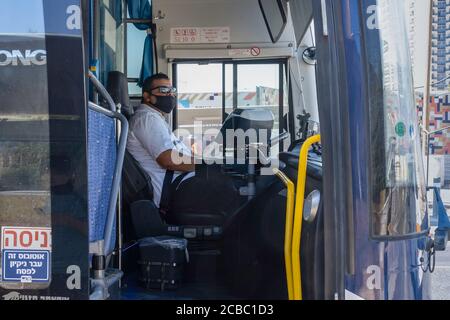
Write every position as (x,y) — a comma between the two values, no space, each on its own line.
(275,15)
(202,29)
(218,29)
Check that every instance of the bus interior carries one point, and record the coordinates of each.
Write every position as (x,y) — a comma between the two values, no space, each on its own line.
(308,222)
(239,74)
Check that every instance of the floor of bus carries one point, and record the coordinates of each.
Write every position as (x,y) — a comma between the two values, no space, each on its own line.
(133,290)
(200,279)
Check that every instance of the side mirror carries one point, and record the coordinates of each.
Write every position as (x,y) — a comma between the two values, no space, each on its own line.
(275,17)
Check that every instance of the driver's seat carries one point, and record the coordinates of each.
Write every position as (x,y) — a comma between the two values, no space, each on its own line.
(141,216)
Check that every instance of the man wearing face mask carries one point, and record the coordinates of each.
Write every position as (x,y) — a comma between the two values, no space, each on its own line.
(166,159)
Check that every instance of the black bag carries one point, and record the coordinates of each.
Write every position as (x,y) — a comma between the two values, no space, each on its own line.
(162,262)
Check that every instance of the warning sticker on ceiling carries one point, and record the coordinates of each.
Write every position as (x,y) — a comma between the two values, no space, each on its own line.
(251,52)
(240,52)
(200,35)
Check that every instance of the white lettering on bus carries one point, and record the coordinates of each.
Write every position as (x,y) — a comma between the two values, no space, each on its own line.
(73,22)
(14,57)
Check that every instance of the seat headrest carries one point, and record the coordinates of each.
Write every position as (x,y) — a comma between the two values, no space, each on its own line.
(117,87)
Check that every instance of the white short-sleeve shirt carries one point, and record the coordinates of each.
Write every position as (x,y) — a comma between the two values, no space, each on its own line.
(150,136)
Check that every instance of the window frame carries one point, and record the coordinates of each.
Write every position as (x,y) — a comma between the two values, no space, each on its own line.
(126,20)
(282,72)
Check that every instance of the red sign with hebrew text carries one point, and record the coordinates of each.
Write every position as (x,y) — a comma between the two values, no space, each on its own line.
(20,238)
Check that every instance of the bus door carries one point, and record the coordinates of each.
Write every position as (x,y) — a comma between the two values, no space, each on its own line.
(43,180)
(374,191)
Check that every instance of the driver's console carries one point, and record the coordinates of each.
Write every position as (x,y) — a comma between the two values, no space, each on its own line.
(241,148)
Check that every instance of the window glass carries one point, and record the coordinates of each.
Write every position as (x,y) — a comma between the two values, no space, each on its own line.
(200,96)
(259,87)
(398,188)
(200,103)
(134,89)
(135,50)
(111,39)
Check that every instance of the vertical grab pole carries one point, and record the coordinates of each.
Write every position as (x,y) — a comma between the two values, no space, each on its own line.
(298,216)
(290,202)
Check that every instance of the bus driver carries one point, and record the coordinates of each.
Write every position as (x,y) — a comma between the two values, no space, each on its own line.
(152,143)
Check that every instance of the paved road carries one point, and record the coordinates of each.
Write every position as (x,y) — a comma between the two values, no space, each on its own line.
(440,279)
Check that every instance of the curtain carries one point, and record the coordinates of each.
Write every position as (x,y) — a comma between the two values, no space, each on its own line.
(117,5)
(141,9)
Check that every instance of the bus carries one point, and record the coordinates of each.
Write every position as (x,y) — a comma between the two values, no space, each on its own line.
(328,187)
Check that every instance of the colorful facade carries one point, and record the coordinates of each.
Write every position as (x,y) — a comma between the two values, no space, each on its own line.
(439,118)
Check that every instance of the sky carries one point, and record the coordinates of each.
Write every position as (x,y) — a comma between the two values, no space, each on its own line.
(135,43)
(194,78)
(31,18)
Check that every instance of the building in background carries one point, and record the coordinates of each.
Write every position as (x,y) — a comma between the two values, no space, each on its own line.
(435,114)
(418,29)
(410,7)
(440,38)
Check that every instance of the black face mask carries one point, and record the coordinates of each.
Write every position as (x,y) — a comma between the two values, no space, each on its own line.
(165,103)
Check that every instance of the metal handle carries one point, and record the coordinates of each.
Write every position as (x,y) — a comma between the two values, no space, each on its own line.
(101,89)
(298,216)
(290,203)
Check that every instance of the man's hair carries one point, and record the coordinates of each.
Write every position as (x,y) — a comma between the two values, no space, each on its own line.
(148,83)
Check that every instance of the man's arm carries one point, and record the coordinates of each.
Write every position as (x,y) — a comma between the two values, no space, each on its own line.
(171,160)
(153,136)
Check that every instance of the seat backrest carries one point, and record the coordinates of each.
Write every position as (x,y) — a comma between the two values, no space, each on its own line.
(102,154)
(136,183)
(117,87)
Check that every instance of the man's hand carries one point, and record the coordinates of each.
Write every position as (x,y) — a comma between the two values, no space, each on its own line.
(172,160)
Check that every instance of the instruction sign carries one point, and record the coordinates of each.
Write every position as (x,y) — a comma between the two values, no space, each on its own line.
(200,35)
(26,266)
(26,254)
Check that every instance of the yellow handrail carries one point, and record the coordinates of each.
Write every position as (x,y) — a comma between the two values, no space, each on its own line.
(288,230)
(298,216)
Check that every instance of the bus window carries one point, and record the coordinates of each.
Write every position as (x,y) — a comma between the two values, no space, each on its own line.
(203,88)
(258,86)
(135,49)
(200,102)
(111,39)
